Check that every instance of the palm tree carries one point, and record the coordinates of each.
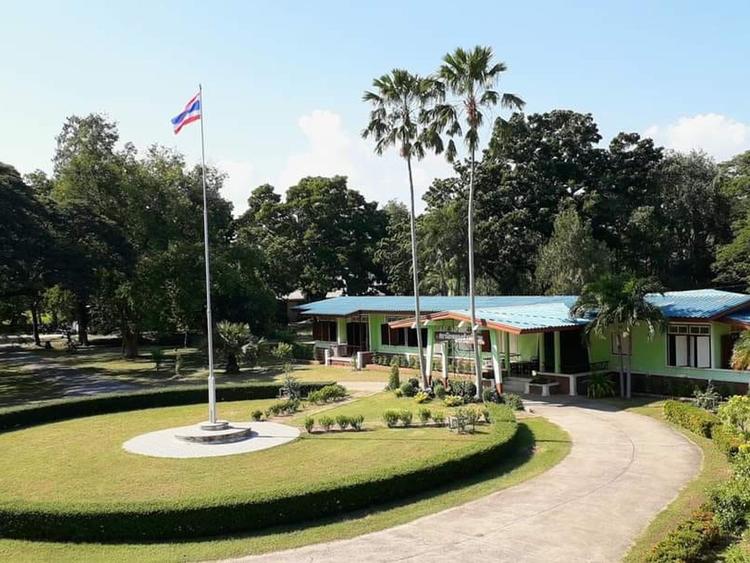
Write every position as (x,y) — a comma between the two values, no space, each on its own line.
(741,352)
(618,304)
(400,100)
(234,336)
(471,76)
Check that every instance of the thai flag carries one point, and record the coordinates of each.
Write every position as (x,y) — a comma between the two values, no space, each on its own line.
(192,112)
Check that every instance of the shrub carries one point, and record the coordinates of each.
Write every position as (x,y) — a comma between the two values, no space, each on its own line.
(439,390)
(600,386)
(731,503)
(453,401)
(283,352)
(708,399)
(326,422)
(490,396)
(486,415)
(157,356)
(357,421)
(342,421)
(309,424)
(414,382)
(727,439)
(327,394)
(288,406)
(398,393)
(394,380)
(742,463)
(461,420)
(303,351)
(424,415)
(405,416)
(736,413)
(422,397)
(690,417)
(291,387)
(403,362)
(438,418)
(472,417)
(407,390)
(465,389)
(688,541)
(390,417)
(413,363)
(736,554)
(395,361)
(257,415)
(513,401)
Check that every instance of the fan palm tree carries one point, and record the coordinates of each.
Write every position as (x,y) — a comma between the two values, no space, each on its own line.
(233,337)
(399,102)
(471,77)
(616,305)
(741,352)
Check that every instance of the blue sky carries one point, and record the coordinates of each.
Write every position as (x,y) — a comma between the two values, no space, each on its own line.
(283,80)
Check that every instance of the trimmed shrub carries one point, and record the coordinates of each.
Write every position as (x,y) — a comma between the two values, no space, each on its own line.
(290,406)
(439,390)
(257,415)
(327,394)
(727,439)
(422,397)
(394,379)
(390,417)
(736,413)
(357,421)
(464,388)
(309,424)
(453,401)
(405,416)
(512,400)
(490,396)
(398,393)
(690,417)
(326,422)
(731,503)
(407,390)
(342,421)
(438,418)
(414,382)
(472,417)
(461,420)
(688,541)
(66,409)
(413,363)
(424,415)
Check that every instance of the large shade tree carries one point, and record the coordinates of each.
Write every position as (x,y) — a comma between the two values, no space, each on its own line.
(470,77)
(400,101)
(615,305)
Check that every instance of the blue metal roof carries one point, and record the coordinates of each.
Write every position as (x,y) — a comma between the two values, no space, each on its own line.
(349,305)
(529,317)
(742,317)
(697,303)
(692,304)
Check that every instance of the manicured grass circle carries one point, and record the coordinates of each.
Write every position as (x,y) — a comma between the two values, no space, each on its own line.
(72,481)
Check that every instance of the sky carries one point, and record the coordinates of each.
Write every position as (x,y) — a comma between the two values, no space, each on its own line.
(283,81)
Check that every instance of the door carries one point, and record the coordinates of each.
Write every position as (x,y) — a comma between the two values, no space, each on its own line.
(358,336)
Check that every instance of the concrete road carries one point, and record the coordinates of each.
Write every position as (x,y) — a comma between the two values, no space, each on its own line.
(622,470)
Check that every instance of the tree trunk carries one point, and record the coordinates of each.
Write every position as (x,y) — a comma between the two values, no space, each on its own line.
(415,272)
(35,322)
(82,317)
(232,365)
(629,390)
(129,342)
(475,340)
(622,369)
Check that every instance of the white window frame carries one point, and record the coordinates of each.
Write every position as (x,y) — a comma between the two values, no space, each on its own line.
(690,332)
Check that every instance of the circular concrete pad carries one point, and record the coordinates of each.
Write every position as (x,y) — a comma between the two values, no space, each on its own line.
(165,443)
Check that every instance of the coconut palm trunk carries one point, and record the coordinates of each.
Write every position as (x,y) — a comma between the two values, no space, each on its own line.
(472,308)
(423,372)
(622,366)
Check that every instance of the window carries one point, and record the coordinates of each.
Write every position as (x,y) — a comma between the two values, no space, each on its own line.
(401,336)
(620,344)
(486,345)
(324,330)
(689,346)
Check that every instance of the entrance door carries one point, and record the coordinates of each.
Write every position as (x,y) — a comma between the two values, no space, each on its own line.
(358,336)
(574,357)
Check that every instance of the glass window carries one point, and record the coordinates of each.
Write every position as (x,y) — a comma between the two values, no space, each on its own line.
(689,346)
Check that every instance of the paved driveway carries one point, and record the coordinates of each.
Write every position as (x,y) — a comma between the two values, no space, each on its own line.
(622,470)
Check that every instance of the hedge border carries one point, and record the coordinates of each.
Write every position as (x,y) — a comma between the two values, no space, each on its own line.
(14,418)
(191,519)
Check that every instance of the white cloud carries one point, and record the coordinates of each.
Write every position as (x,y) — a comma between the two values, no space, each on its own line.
(720,136)
(334,150)
(238,185)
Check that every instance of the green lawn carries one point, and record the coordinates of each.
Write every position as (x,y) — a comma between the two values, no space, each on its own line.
(35,374)
(545,445)
(81,461)
(715,469)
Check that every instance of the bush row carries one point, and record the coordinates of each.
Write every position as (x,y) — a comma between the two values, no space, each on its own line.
(342,421)
(691,417)
(53,411)
(688,541)
(193,518)
(327,394)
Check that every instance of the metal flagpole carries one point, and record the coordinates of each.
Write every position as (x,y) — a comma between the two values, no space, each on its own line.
(209,323)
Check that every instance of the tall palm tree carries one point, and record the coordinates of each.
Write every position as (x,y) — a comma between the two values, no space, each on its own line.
(400,101)
(471,77)
(618,304)
(741,352)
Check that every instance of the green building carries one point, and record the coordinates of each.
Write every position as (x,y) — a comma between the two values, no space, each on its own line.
(525,336)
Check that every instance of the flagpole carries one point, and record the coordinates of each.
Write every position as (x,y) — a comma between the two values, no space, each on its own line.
(212,421)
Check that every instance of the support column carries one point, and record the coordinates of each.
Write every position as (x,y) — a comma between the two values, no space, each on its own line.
(558,362)
(430,349)
(444,352)
(540,350)
(496,367)
(341,330)
(506,345)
